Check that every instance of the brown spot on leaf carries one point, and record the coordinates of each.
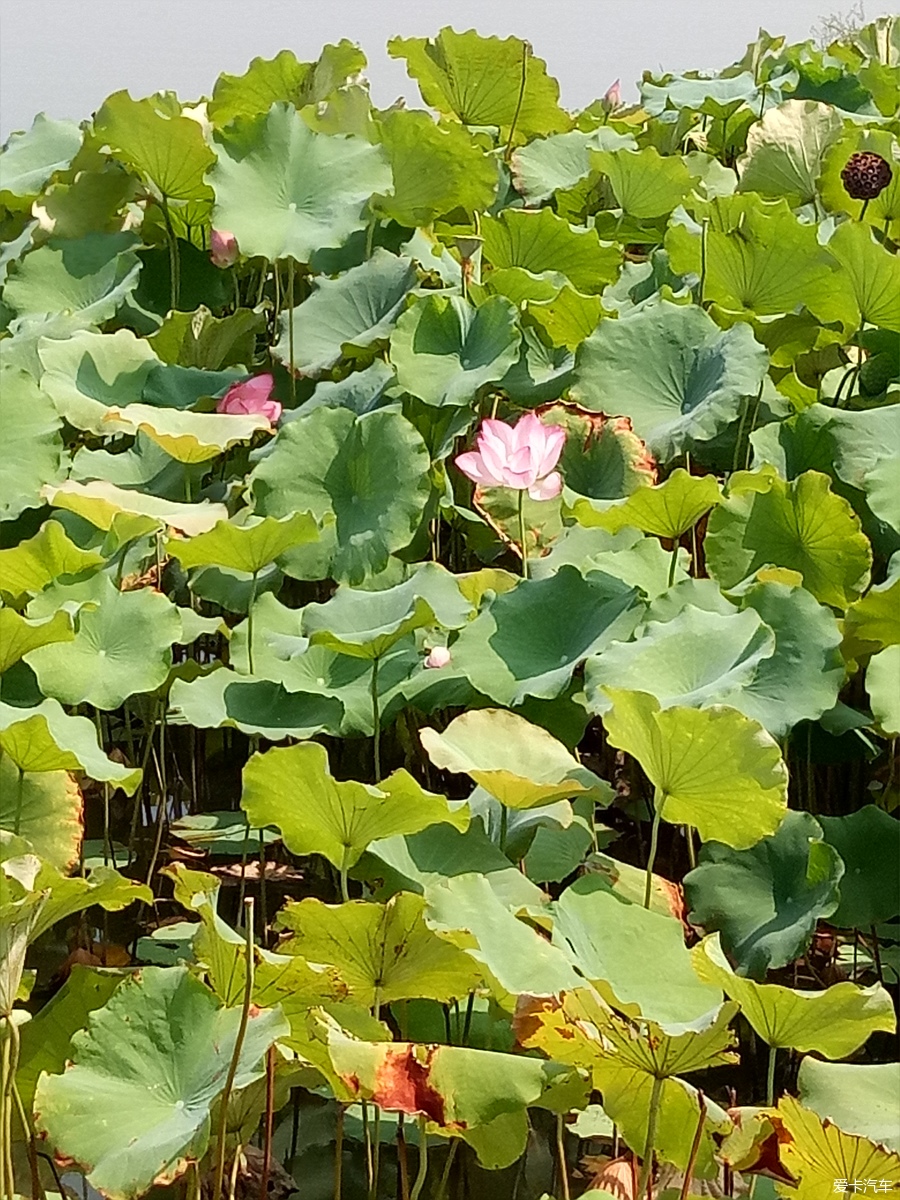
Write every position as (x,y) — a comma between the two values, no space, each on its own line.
(403,1083)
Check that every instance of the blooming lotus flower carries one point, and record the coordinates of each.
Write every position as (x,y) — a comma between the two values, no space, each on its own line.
(251,396)
(520,456)
(438,657)
(223,248)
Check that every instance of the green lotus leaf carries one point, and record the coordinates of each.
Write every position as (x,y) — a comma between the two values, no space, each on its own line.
(103,503)
(356,309)
(367,624)
(712,768)
(819,1153)
(695,660)
(218,834)
(601,459)
(759,262)
(116,1108)
(166,150)
(518,647)
(834,1022)
(30,160)
(644,283)
(84,282)
(90,372)
(766,901)
(668,510)
(248,547)
(330,461)
(559,162)
(46,738)
(285,191)
(360,392)
(882,674)
(255,706)
(335,819)
(599,932)
(188,437)
(479,81)
(541,373)
(443,350)
(18,634)
(644,182)
(541,241)
(695,91)
(872,622)
(785,150)
(868,842)
(382,952)
(122,645)
(519,763)
(625,1063)
(44,808)
(31,448)
(283,78)
(800,525)
(861,1099)
(466,909)
(416,862)
(566,318)
(47,1038)
(669,367)
(640,562)
(867,290)
(11,251)
(208,343)
(48,555)
(854,140)
(435,169)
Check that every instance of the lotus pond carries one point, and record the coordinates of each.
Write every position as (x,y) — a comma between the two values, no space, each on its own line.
(450,639)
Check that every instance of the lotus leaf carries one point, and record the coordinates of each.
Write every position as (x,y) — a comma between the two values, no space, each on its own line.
(31,449)
(820,1153)
(785,150)
(861,1099)
(868,842)
(541,241)
(30,160)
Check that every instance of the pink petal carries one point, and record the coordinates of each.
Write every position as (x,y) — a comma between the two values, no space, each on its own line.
(439,657)
(554,441)
(547,488)
(473,465)
(529,431)
(498,432)
(223,248)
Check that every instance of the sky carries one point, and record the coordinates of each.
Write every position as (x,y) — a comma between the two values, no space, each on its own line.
(63,57)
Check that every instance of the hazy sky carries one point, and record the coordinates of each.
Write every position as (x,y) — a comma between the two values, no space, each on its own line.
(64,56)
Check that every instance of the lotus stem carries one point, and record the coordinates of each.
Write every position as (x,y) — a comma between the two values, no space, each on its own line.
(691,848)
(695,1149)
(339,1155)
(448,1166)
(253,585)
(174,264)
(512,129)
(269,1120)
(422,1172)
(652,1118)
(402,1165)
(770,1076)
(376,720)
(673,563)
(345,887)
(236,1053)
(522,534)
(561,1154)
(862,213)
(654,841)
(7,1072)
(291,329)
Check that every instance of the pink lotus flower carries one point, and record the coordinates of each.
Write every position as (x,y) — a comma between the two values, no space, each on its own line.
(520,456)
(251,396)
(438,657)
(223,248)
(612,97)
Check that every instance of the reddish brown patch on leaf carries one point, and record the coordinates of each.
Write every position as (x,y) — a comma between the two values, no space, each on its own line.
(527,1017)
(614,1175)
(767,1160)
(403,1083)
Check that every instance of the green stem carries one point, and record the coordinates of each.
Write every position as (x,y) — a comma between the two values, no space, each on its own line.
(291,330)
(448,1166)
(20,798)
(37,1188)
(504,826)
(7,1177)
(673,563)
(174,264)
(770,1076)
(345,887)
(862,215)
(250,604)
(370,236)
(754,413)
(376,720)
(236,1053)
(652,1118)
(522,534)
(704,234)
(422,1172)
(654,841)
(512,129)
(691,848)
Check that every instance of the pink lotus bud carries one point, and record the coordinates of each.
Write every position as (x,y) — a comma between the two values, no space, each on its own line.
(520,456)
(438,657)
(612,97)
(251,396)
(223,248)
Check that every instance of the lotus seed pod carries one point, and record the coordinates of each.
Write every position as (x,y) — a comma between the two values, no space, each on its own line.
(866,175)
